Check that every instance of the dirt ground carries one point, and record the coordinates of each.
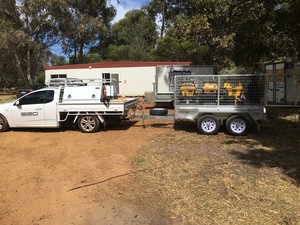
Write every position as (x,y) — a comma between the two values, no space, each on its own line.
(66,177)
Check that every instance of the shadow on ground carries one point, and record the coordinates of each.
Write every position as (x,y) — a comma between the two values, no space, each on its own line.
(123,125)
(276,146)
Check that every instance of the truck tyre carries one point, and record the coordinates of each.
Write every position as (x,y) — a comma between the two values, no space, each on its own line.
(158,112)
(208,124)
(237,125)
(88,124)
(3,124)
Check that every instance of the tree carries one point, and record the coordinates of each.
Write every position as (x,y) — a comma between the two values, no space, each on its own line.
(170,49)
(127,53)
(163,12)
(157,11)
(27,30)
(89,58)
(8,70)
(208,24)
(57,60)
(286,29)
(84,23)
(29,27)
(136,29)
(236,32)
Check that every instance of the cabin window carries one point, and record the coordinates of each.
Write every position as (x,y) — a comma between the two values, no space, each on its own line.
(58,76)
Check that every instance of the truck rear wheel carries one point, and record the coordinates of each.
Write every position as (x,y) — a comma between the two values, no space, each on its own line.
(3,124)
(237,125)
(88,124)
(208,124)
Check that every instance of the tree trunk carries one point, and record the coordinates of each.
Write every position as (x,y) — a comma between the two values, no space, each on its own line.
(28,69)
(75,54)
(163,15)
(81,46)
(20,71)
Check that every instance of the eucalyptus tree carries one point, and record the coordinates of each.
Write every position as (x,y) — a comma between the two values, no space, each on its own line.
(127,53)
(136,29)
(171,49)
(83,23)
(28,29)
(157,11)
(132,38)
(286,29)
(203,24)
(163,13)
(243,33)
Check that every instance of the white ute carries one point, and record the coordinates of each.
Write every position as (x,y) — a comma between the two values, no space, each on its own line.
(87,106)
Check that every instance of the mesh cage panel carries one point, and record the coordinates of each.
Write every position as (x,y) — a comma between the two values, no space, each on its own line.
(220,90)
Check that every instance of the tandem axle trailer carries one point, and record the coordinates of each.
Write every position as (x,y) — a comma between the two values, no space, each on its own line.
(236,101)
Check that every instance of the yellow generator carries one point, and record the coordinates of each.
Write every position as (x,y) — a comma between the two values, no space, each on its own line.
(188,88)
(210,87)
(234,91)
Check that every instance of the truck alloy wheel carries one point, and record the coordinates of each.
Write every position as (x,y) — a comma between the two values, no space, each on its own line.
(237,125)
(88,124)
(3,124)
(208,124)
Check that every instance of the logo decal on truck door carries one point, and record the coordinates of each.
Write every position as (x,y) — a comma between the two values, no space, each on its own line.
(29,114)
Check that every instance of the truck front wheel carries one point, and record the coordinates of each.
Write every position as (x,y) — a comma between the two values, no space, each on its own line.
(88,124)
(208,124)
(3,124)
(237,125)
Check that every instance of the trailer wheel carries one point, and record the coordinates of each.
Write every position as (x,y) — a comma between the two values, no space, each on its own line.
(208,124)
(3,124)
(158,112)
(88,124)
(237,125)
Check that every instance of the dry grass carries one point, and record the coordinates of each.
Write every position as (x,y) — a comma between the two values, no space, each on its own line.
(197,179)
(7,98)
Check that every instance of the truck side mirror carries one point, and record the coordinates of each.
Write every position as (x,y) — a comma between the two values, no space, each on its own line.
(17,103)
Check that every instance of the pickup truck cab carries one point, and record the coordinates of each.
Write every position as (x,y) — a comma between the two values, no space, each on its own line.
(52,107)
(24,91)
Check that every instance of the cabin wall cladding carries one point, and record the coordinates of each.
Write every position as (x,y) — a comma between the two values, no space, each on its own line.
(132,78)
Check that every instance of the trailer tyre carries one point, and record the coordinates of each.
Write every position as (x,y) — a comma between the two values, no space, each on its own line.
(158,112)
(3,124)
(88,124)
(208,124)
(237,125)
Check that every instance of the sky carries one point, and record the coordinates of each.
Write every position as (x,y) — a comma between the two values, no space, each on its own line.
(126,5)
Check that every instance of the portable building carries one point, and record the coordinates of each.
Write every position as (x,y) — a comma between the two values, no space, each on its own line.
(131,78)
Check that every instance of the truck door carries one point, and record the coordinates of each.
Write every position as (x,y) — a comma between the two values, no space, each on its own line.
(30,110)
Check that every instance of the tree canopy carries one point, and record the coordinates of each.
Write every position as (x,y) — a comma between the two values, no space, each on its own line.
(228,33)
